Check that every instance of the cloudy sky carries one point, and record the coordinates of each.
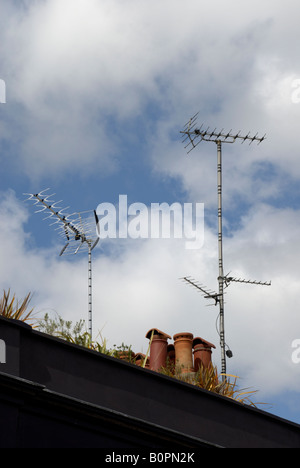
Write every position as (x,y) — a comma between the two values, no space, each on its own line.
(97,92)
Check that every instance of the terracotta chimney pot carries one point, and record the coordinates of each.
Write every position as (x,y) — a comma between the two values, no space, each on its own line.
(158,349)
(202,353)
(183,343)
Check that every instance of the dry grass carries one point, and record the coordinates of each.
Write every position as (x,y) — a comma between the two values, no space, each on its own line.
(12,309)
(209,379)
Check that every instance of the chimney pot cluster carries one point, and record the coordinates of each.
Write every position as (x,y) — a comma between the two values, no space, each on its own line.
(180,354)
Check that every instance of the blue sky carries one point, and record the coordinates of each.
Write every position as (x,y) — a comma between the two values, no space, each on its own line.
(97,92)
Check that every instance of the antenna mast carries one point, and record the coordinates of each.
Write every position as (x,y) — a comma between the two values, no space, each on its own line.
(192,137)
(79,233)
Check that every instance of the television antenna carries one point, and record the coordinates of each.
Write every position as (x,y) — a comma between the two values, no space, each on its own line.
(79,229)
(192,137)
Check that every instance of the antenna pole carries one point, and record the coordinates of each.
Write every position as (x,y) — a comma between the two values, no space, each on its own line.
(90,292)
(221,266)
(192,137)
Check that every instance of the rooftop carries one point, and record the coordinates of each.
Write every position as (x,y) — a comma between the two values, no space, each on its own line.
(56,394)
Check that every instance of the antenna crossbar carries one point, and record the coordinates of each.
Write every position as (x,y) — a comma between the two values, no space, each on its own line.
(194,136)
(58,213)
(229,280)
(207,294)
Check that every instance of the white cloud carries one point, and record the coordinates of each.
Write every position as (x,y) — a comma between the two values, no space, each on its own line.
(72,63)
